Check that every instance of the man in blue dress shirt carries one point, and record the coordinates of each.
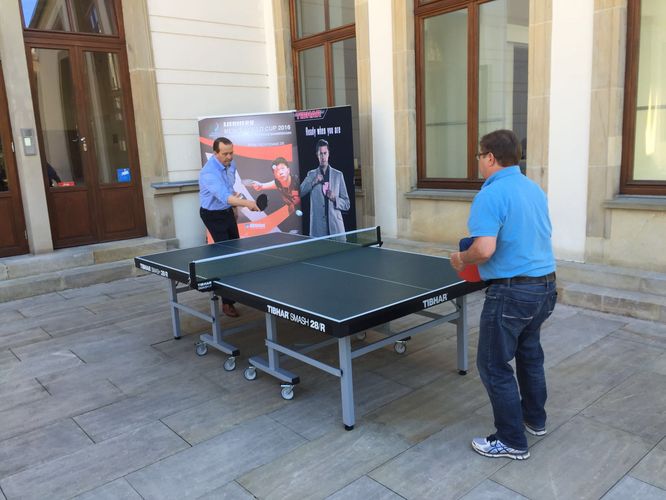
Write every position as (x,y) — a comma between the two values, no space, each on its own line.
(218,199)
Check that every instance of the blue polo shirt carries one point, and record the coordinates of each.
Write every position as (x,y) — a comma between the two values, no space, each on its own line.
(216,184)
(514,209)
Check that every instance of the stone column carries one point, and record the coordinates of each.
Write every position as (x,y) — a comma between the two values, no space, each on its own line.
(22,115)
(569,129)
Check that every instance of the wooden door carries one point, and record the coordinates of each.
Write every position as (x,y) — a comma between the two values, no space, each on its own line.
(13,238)
(87,141)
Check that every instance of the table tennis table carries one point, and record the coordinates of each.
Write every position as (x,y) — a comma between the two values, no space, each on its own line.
(335,286)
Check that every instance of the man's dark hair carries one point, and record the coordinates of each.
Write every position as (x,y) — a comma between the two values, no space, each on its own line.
(223,140)
(322,143)
(504,145)
(279,161)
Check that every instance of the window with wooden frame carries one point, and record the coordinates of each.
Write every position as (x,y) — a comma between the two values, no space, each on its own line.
(471,79)
(643,169)
(323,42)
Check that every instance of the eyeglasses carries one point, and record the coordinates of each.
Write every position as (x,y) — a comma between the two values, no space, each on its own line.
(478,156)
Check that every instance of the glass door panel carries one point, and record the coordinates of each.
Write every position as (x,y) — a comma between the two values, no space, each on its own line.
(106,116)
(445,94)
(56,97)
(312,69)
(4,182)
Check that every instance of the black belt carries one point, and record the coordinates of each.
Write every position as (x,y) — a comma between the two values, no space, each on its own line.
(523,279)
(230,209)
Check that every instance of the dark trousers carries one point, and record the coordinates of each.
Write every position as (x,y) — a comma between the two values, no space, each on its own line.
(510,328)
(221,225)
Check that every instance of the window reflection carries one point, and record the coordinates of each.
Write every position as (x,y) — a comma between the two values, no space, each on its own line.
(445,62)
(650,143)
(88,16)
(48,15)
(56,100)
(503,42)
(106,120)
(317,16)
(312,74)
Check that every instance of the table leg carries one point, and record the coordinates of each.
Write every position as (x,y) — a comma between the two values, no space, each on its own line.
(175,312)
(346,382)
(461,328)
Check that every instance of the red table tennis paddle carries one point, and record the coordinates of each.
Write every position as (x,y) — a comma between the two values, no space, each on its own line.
(471,271)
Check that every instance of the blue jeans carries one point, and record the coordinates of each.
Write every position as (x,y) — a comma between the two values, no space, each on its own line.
(510,328)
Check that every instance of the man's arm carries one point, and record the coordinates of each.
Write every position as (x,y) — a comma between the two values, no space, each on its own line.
(481,251)
(309,182)
(235,200)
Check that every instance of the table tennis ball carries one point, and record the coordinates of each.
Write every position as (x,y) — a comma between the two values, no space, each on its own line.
(298,213)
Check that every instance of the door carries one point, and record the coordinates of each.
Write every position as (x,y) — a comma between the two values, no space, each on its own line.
(87,142)
(13,240)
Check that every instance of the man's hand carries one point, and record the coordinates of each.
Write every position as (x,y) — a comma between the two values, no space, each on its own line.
(457,262)
(257,186)
(330,195)
(238,200)
(319,179)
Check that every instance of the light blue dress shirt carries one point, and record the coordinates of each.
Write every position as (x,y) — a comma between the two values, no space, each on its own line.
(216,184)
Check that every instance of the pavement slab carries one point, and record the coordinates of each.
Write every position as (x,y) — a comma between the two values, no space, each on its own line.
(443,466)
(41,445)
(651,468)
(591,456)
(365,488)
(638,405)
(632,489)
(95,465)
(215,462)
(119,489)
(321,467)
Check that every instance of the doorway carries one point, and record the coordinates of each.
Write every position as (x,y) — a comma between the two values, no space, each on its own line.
(13,238)
(85,124)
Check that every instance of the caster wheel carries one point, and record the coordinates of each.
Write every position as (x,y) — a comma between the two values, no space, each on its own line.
(287,392)
(250,373)
(230,364)
(361,336)
(400,347)
(462,372)
(202,349)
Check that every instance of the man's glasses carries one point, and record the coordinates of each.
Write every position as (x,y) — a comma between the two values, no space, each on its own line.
(478,156)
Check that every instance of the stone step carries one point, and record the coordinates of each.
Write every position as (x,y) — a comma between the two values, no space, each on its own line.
(28,275)
(67,258)
(641,305)
(77,277)
(621,278)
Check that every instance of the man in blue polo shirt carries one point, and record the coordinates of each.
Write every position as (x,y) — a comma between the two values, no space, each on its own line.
(218,199)
(512,247)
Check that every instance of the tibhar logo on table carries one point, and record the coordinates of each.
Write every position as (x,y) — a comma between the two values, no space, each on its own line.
(433,301)
(297,318)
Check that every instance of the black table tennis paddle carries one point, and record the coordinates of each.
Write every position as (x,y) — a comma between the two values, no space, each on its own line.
(262,202)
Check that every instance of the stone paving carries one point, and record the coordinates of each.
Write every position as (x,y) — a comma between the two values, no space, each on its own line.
(98,401)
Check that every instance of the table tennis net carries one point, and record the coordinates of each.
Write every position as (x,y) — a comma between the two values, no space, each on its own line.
(217,268)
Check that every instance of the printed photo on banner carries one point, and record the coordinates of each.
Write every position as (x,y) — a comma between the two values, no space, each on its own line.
(267,169)
(326,156)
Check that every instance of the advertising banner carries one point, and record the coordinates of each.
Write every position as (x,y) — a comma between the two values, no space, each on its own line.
(302,162)
(326,157)
(266,160)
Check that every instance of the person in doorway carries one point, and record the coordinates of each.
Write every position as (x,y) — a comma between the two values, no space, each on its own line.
(53,176)
(328,195)
(218,200)
(512,247)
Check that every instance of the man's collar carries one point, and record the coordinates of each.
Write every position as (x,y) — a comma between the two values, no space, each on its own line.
(500,174)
